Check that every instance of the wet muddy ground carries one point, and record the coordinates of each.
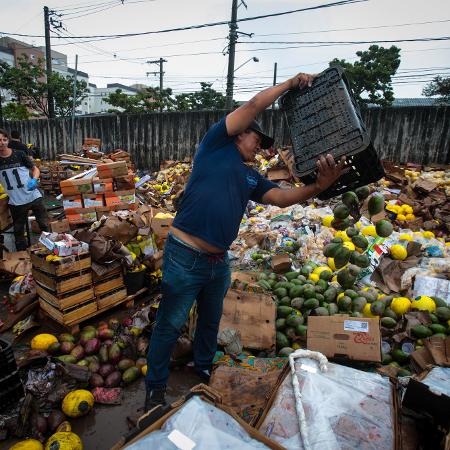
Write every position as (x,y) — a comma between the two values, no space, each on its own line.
(103,426)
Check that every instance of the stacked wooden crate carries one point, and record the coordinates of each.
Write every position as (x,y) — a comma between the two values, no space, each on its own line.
(64,286)
(109,289)
(51,176)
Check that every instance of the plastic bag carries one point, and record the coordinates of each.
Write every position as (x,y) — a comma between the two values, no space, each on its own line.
(204,424)
(344,408)
(23,285)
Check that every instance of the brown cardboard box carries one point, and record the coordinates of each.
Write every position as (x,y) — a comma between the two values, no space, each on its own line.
(76,185)
(112,170)
(281,263)
(72,202)
(278,174)
(82,215)
(120,197)
(354,338)
(93,200)
(161,227)
(253,315)
(60,226)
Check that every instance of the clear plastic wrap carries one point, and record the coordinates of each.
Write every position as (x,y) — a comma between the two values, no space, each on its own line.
(438,380)
(344,408)
(205,425)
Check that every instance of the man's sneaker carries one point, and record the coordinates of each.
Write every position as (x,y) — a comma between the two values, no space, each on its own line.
(204,375)
(154,397)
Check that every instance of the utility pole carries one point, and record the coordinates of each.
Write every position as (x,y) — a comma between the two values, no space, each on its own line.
(48,59)
(231,53)
(274,80)
(73,103)
(159,61)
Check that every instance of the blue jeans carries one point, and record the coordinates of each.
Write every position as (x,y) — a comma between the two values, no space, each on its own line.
(188,275)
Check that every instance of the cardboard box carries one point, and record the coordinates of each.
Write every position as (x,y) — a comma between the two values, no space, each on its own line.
(60,226)
(120,197)
(112,170)
(102,186)
(278,174)
(76,185)
(72,202)
(253,315)
(82,215)
(161,226)
(124,183)
(281,263)
(344,336)
(93,200)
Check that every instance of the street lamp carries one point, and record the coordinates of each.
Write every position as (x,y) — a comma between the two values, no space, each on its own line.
(254,59)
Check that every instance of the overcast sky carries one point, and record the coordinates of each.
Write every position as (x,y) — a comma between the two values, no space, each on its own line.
(124,60)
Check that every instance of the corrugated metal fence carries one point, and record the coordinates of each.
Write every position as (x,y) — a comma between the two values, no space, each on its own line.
(416,134)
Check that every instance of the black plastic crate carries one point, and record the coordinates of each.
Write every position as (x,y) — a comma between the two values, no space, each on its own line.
(11,390)
(7,361)
(324,118)
(363,168)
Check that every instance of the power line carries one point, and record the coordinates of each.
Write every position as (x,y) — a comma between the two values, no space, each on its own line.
(205,25)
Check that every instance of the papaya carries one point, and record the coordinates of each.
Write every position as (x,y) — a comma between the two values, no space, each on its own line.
(297,282)
(284,311)
(301,330)
(360,241)
(309,292)
(293,320)
(332,308)
(290,332)
(399,356)
(442,313)
(280,292)
(351,232)
(350,199)
(311,303)
(362,192)
(337,240)
(265,285)
(384,228)
(387,299)
(351,293)
(320,298)
(376,204)
(330,294)
(341,257)
(285,301)
(404,372)
(285,351)
(439,302)
(341,211)
(434,318)
(282,284)
(321,311)
(67,359)
(291,275)
(437,328)
(340,224)
(280,324)
(356,314)
(325,275)
(442,335)
(296,291)
(344,303)
(306,270)
(330,249)
(421,331)
(369,295)
(346,279)
(297,302)
(282,340)
(388,312)
(386,358)
(354,270)
(358,304)
(388,322)
(302,278)
(131,374)
(360,260)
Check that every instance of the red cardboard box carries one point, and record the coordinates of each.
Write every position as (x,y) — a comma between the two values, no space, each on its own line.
(72,202)
(93,200)
(60,226)
(120,197)
(82,215)
(102,185)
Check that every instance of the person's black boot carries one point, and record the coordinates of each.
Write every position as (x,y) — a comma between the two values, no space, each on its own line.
(204,375)
(154,397)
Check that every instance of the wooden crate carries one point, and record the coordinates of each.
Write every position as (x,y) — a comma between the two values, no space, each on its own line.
(69,316)
(67,299)
(110,299)
(67,283)
(64,266)
(108,285)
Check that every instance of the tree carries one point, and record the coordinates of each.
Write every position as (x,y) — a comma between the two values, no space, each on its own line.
(439,86)
(371,76)
(205,99)
(15,111)
(28,84)
(146,100)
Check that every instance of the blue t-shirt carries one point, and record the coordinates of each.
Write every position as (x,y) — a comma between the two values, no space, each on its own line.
(218,190)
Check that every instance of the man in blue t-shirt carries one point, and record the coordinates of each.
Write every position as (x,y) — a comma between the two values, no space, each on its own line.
(195,265)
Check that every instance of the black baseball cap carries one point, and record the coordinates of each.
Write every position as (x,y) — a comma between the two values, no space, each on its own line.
(266,141)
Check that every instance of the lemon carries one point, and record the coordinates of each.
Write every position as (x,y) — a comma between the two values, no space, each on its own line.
(340,296)
(424,303)
(410,217)
(398,252)
(314,277)
(330,262)
(428,234)
(405,237)
(326,221)
(369,230)
(367,312)
(400,305)
(407,209)
(343,236)
(401,217)
(349,245)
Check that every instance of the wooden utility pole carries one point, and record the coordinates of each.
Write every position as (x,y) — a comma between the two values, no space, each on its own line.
(48,60)
(231,54)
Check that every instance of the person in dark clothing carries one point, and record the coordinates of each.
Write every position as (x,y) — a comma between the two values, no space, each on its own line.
(19,178)
(15,143)
(195,264)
